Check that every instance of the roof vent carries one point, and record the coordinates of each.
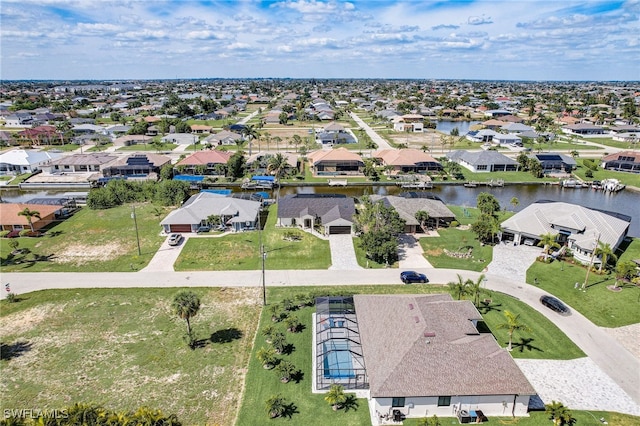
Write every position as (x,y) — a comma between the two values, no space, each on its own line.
(411,306)
(417,319)
(429,334)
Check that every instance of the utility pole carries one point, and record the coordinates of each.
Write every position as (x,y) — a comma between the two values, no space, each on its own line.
(264,287)
(593,254)
(135,222)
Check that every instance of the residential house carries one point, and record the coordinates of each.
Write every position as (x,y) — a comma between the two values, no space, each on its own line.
(409,123)
(235,214)
(80,163)
(625,133)
(11,220)
(18,119)
(40,135)
(336,162)
(495,113)
(516,128)
(204,162)
(180,138)
(200,129)
(584,129)
(407,160)
(483,161)
(624,161)
(484,135)
(224,137)
(579,228)
(333,134)
(128,140)
(25,160)
(331,213)
(145,166)
(418,356)
(510,139)
(439,213)
(494,124)
(552,162)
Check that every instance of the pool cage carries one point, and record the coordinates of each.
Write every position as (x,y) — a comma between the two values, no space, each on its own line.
(339,356)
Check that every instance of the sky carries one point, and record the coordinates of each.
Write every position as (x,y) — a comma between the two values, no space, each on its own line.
(414,39)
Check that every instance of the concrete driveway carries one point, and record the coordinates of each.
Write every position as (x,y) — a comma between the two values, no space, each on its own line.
(343,254)
(166,256)
(513,261)
(410,253)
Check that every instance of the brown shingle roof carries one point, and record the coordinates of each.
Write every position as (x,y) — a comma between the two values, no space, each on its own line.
(205,157)
(426,345)
(403,157)
(339,154)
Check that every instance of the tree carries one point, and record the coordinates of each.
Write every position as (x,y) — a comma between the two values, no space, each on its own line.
(486,228)
(286,369)
(293,323)
(336,396)
(275,406)
(474,288)
(606,253)
(267,357)
(514,202)
(29,214)
(487,203)
(559,414)
(458,288)
(548,241)
(535,168)
(624,270)
(422,217)
(279,342)
(186,305)
(251,133)
(512,324)
(277,165)
(236,165)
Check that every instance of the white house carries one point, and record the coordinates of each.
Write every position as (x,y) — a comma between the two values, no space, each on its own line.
(25,160)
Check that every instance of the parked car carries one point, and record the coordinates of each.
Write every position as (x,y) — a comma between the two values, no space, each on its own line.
(175,239)
(204,228)
(409,277)
(555,304)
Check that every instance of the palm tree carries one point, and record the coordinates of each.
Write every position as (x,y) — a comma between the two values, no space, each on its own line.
(606,252)
(279,342)
(277,164)
(268,331)
(293,324)
(266,356)
(422,217)
(458,288)
(559,414)
(475,289)
(286,369)
(548,241)
(186,305)
(277,140)
(512,324)
(514,202)
(336,396)
(275,406)
(250,132)
(27,213)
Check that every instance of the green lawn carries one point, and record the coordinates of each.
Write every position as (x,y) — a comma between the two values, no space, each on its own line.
(612,143)
(91,240)
(100,148)
(456,240)
(601,306)
(504,176)
(545,342)
(241,251)
(631,179)
(149,147)
(124,348)
(65,148)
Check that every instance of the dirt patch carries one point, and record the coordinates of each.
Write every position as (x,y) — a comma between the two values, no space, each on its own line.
(418,140)
(434,252)
(23,321)
(80,254)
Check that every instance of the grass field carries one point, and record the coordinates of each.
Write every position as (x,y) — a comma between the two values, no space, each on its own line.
(601,306)
(631,179)
(241,251)
(91,240)
(546,341)
(124,348)
(459,241)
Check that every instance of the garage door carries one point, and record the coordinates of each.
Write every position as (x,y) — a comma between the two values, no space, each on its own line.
(180,228)
(339,230)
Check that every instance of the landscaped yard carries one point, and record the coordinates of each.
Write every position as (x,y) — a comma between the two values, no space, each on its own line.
(458,241)
(91,240)
(539,418)
(241,251)
(124,348)
(601,306)
(545,341)
(631,179)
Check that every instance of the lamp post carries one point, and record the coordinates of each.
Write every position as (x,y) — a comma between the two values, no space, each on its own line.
(264,288)
(135,222)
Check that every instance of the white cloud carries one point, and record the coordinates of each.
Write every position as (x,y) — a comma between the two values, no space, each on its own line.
(479,20)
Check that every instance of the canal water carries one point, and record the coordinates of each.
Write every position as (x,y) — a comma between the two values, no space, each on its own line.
(626,202)
(447,126)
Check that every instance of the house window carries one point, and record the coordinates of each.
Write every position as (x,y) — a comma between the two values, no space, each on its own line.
(397,402)
(444,401)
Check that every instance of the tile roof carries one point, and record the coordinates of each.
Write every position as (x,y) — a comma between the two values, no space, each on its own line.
(338,154)
(427,345)
(9,213)
(89,159)
(205,157)
(403,157)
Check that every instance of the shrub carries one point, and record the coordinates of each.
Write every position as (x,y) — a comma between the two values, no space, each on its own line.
(588,173)
(12,298)
(454,224)
(3,234)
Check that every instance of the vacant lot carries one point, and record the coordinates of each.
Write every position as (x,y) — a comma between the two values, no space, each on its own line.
(124,348)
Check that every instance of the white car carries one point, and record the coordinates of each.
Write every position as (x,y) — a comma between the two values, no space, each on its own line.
(175,239)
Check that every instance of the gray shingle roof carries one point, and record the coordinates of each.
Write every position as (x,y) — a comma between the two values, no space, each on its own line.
(204,204)
(408,207)
(475,158)
(426,345)
(327,208)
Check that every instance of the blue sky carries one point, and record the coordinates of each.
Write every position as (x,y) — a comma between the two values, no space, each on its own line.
(472,39)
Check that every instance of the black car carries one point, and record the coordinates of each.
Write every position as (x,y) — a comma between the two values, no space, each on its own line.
(409,277)
(554,304)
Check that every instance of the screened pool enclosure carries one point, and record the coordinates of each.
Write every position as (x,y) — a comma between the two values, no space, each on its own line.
(338,351)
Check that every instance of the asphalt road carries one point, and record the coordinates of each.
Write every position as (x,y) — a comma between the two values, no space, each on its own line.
(610,356)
